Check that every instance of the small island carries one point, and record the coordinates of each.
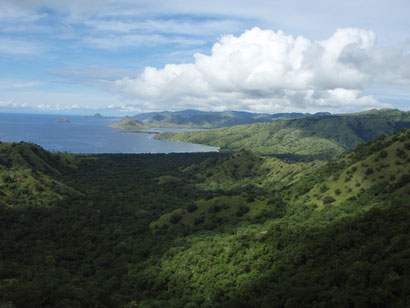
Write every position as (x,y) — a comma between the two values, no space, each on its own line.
(62,120)
(129,124)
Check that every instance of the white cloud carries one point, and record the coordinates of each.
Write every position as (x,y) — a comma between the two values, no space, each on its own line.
(19,7)
(264,70)
(136,40)
(184,27)
(18,84)
(19,47)
(91,74)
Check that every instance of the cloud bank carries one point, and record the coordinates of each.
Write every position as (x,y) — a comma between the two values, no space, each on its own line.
(268,71)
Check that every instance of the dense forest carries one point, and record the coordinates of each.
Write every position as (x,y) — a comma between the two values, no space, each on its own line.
(230,229)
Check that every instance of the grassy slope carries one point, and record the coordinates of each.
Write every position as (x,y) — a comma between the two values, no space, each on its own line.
(27,175)
(324,137)
(196,119)
(249,180)
(343,253)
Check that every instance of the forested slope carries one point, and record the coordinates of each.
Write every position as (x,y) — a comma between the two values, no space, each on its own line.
(28,175)
(215,230)
(321,137)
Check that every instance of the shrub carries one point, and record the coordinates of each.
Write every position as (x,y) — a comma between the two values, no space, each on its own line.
(199,220)
(250,199)
(369,171)
(348,178)
(191,207)
(242,210)
(400,153)
(214,208)
(175,218)
(383,154)
(328,199)
(323,188)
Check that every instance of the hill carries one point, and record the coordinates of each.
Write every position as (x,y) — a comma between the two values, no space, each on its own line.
(27,175)
(129,124)
(318,137)
(325,239)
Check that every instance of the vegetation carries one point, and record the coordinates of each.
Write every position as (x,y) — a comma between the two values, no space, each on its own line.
(320,137)
(28,175)
(202,119)
(206,229)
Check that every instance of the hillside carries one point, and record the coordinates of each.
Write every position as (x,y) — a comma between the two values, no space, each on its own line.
(323,233)
(320,137)
(211,230)
(27,175)
(202,119)
(129,124)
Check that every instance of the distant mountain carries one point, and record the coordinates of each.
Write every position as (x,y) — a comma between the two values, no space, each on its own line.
(129,124)
(321,137)
(203,119)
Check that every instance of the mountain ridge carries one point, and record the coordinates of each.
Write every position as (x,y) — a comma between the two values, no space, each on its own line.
(320,137)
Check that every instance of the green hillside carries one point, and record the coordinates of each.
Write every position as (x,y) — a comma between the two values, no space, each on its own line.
(321,137)
(203,119)
(27,175)
(320,247)
(210,230)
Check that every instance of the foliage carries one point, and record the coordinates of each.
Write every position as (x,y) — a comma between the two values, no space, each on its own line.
(202,119)
(155,231)
(320,137)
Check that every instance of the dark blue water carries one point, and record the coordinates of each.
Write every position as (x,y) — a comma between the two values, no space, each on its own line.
(85,135)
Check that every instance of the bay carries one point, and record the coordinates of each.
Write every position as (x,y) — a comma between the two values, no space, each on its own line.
(86,135)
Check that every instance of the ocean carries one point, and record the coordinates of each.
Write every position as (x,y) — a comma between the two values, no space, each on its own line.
(86,135)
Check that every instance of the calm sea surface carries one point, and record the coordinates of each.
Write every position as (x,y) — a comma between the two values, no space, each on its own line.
(86,135)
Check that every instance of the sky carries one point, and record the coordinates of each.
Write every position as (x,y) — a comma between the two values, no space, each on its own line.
(125,57)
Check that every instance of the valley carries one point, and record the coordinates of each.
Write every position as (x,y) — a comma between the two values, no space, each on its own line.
(234,229)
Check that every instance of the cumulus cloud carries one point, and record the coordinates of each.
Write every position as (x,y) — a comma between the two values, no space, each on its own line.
(268,71)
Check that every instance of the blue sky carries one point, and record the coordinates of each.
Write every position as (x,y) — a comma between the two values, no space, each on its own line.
(125,57)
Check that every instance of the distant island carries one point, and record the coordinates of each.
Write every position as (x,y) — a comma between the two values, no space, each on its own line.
(62,120)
